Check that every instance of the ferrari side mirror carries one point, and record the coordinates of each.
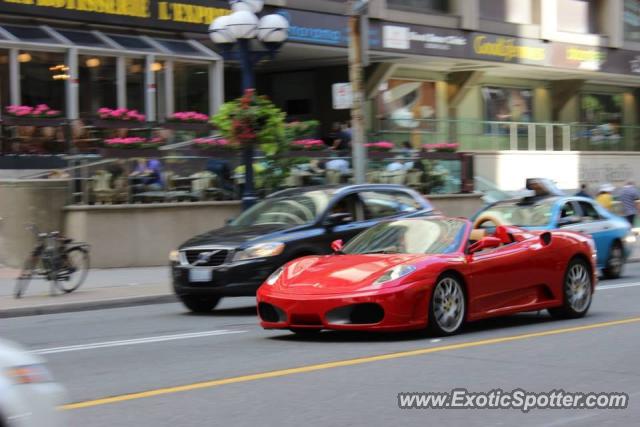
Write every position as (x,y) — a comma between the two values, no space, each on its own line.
(336,247)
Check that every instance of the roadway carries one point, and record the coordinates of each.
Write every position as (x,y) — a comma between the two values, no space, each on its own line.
(160,366)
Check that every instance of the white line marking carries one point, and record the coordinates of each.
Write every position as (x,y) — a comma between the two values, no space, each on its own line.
(617,286)
(147,340)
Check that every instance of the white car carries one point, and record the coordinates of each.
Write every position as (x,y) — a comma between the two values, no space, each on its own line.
(28,395)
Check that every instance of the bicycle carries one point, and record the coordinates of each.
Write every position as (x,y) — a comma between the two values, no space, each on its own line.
(61,261)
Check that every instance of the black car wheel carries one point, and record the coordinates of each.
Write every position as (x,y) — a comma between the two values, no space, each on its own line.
(199,304)
(613,270)
(577,291)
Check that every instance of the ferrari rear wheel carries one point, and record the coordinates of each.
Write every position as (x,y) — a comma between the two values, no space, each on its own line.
(447,307)
(578,291)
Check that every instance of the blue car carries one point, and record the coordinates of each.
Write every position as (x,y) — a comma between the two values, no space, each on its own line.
(611,233)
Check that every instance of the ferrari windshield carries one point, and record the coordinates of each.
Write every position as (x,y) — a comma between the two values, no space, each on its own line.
(410,236)
(293,210)
(523,215)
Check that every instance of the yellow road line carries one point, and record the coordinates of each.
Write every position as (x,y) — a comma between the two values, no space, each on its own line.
(337,364)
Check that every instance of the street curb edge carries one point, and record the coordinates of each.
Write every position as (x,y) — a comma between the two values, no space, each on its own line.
(87,305)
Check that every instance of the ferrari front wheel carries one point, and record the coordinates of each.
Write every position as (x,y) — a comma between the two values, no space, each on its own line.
(447,306)
(577,289)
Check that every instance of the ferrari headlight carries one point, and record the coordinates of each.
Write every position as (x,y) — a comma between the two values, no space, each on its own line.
(174,256)
(261,250)
(273,278)
(395,273)
(29,374)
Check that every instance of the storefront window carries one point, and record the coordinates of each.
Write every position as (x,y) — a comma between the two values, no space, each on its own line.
(191,87)
(135,84)
(97,76)
(158,68)
(515,11)
(603,115)
(405,104)
(632,20)
(507,104)
(5,95)
(42,78)
(427,5)
(577,16)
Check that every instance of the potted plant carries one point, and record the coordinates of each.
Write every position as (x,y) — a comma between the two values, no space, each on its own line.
(380,146)
(40,111)
(134,146)
(308,145)
(441,147)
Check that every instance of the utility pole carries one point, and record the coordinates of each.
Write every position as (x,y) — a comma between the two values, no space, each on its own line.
(357,8)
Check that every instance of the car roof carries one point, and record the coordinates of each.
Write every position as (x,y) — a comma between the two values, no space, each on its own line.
(338,189)
(532,201)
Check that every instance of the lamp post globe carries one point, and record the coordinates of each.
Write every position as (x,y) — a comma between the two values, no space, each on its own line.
(273,29)
(254,6)
(243,24)
(219,31)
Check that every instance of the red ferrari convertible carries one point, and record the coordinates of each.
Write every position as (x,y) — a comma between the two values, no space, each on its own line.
(435,273)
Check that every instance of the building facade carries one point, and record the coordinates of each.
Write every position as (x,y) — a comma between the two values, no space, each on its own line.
(488,74)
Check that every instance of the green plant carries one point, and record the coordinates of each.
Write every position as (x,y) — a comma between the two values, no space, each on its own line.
(301,130)
(252,119)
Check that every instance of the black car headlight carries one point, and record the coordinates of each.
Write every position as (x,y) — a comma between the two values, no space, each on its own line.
(260,250)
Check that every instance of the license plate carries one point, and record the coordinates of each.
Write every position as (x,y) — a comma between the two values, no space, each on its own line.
(200,275)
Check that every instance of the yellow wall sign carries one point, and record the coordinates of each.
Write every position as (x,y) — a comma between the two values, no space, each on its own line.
(134,8)
(189,13)
(182,14)
(509,49)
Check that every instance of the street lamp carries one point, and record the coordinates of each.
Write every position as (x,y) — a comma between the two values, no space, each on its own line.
(238,29)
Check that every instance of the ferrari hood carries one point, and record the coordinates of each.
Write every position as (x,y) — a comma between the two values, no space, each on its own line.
(336,274)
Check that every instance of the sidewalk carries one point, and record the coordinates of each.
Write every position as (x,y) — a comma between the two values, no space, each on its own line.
(108,288)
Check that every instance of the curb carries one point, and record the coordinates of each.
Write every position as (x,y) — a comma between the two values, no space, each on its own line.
(69,307)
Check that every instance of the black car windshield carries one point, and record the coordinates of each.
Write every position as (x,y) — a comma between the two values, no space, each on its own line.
(410,236)
(523,214)
(293,210)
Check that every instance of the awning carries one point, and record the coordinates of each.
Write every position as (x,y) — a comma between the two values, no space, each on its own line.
(24,37)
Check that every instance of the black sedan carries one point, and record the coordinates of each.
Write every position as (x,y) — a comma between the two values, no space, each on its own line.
(236,259)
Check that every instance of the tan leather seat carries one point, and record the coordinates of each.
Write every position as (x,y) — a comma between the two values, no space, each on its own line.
(477,234)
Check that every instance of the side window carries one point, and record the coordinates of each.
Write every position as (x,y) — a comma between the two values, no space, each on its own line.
(407,203)
(350,204)
(589,211)
(380,204)
(568,209)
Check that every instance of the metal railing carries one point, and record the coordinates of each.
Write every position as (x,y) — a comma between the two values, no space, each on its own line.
(477,135)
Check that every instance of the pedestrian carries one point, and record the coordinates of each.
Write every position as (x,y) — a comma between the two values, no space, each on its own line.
(604,198)
(629,196)
(583,192)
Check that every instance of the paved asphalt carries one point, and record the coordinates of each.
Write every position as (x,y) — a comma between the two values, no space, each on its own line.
(229,344)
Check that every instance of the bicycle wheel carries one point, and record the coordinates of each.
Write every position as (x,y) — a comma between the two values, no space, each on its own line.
(25,277)
(74,267)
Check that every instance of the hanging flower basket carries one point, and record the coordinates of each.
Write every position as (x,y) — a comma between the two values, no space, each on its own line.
(380,146)
(308,145)
(251,119)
